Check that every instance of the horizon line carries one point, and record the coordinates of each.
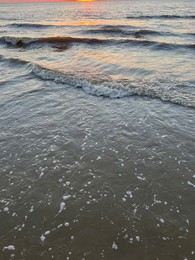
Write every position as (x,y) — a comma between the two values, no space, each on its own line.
(48,1)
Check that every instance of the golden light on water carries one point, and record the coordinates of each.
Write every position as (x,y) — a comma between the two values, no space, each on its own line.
(85,0)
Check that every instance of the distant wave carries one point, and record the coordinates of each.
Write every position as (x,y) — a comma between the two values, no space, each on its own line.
(29,25)
(100,85)
(8,19)
(122,32)
(183,94)
(23,42)
(162,17)
(116,29)
(142,32)
(108,30)
(64,42)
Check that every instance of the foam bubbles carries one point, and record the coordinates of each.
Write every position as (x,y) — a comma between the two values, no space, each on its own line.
(114,246)
(62,206)
(10,248)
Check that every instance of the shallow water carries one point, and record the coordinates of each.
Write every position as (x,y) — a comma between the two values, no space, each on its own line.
(89,177)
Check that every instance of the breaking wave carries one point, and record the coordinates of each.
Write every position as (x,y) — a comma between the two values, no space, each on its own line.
(183,94)
(102,85)
(65,42)
(30,25)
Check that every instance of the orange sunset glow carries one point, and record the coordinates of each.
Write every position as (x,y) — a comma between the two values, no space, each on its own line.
(34,1)
(85,0)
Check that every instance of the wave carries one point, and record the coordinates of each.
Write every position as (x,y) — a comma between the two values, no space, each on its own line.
(30,25)
(169,17)
(183,94)
(14,61)
(62,43)
(159,45)
(101,85)
(190,34)
(118,29)
(106,31)
(122,32)
(22,42)
(143,32)
(8,19)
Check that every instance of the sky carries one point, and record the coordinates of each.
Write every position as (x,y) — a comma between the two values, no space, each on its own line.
(15,1)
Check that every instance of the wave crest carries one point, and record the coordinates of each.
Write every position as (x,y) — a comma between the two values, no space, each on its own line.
(168,17)
(117,31)
(62,43)
(30,25)
(101,85)
(183,94)
(25,41)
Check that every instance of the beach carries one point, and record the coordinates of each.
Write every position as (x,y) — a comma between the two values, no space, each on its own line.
(97,131)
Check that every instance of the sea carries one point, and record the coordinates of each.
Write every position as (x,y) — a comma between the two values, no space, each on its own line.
(97,130)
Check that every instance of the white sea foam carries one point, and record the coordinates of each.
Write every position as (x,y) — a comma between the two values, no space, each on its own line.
(62,206)
(162,220)
(114,246)
(42,238)
(129,193)
(66,197)
(101,85)
(31,209)
(98,85)
(191,184)
(10,248)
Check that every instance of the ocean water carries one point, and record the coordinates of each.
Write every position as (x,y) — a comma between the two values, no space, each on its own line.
(97,119)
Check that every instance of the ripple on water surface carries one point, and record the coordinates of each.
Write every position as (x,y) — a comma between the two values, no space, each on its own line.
(112,179)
